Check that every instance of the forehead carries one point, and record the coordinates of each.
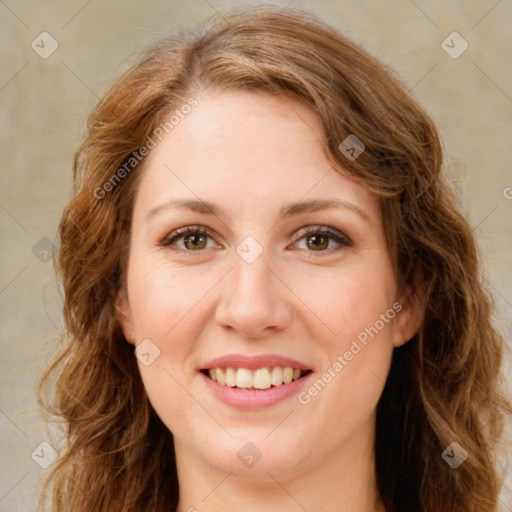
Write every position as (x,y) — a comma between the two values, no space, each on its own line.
(247,149)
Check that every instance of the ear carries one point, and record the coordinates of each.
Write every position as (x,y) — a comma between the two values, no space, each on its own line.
(409,317)
(124,316)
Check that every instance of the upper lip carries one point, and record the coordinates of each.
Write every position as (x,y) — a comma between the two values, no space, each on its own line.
(253,362)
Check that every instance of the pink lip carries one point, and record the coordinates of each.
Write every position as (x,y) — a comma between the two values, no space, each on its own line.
(254,398)
(253,362)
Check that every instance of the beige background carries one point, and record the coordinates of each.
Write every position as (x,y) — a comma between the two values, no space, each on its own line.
(44,105)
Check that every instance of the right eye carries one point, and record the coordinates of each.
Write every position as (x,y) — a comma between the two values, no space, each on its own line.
(191,239)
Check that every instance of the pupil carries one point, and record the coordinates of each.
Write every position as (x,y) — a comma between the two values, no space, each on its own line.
(318,242)
(195,241)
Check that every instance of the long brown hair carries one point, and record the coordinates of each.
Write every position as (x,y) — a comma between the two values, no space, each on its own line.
(444,384)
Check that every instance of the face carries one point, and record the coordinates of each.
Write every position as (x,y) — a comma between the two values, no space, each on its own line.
(254,262)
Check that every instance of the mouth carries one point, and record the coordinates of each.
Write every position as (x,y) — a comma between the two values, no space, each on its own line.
(260,381)
(257,379)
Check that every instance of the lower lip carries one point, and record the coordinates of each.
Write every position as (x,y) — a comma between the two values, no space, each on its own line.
(255,398)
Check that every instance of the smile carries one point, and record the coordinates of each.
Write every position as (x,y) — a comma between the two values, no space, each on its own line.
(260,378)
(254,381)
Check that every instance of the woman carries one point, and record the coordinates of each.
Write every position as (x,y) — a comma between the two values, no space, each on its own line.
(271,300)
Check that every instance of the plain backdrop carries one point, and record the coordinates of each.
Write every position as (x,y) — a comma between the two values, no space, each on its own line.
(45,100)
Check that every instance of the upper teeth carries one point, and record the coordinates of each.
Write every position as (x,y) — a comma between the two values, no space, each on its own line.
(262,378)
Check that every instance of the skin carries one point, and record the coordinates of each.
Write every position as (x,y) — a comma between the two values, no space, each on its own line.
(253,153)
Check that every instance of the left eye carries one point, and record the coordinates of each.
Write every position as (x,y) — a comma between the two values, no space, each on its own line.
(320,239)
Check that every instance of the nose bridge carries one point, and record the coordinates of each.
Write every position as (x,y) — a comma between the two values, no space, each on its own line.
(253,300)
(252,278)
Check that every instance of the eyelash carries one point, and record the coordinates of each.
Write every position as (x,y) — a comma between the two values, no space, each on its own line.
(332,233)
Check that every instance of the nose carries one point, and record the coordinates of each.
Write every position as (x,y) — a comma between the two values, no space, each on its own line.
(254,301)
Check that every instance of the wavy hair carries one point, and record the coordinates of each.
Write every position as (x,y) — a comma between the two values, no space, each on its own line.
(444,384)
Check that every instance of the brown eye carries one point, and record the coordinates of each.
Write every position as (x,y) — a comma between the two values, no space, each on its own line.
(195,241)
(322,240)
(317,242)
(189,239)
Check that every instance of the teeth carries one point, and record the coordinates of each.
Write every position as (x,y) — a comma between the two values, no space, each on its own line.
(230,377)
(262,378)
(287,375)
(220,376)
(244,378)
(277,376)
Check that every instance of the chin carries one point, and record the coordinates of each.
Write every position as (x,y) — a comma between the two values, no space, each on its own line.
(253,453)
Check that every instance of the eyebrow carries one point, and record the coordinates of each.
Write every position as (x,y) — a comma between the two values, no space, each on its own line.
(289,210)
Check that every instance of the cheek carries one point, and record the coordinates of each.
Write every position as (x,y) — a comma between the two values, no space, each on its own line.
(170,307)
(355,307)
(162,298)
(346,301)
(167,309)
